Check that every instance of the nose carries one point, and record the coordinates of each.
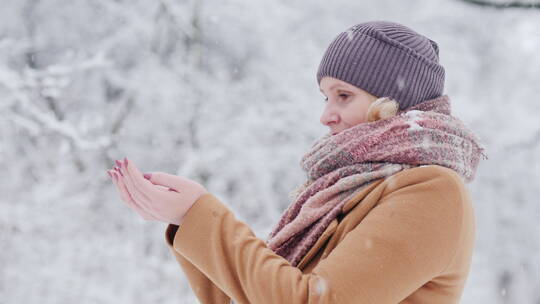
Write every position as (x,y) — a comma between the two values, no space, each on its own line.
(329,117)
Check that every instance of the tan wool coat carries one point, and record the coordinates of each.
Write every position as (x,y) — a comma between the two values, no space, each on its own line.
(407,238)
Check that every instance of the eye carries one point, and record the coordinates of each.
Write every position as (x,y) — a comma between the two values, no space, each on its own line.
(343,96)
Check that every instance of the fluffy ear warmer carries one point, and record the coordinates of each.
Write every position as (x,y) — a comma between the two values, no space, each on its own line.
(382,108)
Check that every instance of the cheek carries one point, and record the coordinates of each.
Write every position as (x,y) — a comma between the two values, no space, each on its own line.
(355,113)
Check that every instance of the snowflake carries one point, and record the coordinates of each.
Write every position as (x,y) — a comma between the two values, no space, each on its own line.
(413,119)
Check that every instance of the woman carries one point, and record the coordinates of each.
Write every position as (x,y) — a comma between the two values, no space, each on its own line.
(384,215)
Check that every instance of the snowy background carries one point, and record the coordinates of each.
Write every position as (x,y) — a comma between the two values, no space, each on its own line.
(225,93)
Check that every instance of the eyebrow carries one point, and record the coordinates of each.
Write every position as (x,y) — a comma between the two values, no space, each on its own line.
(332,86)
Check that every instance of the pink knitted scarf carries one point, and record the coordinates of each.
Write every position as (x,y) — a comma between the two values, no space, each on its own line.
(339,166)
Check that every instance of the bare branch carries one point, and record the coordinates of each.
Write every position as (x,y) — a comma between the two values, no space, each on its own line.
(122,115)
(514,4)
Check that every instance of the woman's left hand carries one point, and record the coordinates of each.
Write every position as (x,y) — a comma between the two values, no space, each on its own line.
(155,196)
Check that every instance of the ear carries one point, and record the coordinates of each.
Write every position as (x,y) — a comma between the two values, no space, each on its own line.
(382,108)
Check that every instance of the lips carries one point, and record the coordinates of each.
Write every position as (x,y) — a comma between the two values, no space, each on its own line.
(334,132)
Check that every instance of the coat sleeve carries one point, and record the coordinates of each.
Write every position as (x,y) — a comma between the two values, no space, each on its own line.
(408,238)
(204,289)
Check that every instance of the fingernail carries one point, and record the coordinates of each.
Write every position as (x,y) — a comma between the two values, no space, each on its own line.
(118,170)
(118,163)
(147,175)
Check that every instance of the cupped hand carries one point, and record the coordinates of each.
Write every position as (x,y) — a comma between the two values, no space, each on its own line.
(157,196)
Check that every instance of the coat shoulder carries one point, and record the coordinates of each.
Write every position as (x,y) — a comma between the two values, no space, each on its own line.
(435,189)
(433,175)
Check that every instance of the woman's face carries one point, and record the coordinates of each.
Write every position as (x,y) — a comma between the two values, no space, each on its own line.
(346,104)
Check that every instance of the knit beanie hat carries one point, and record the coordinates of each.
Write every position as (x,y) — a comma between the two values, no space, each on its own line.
(386,59)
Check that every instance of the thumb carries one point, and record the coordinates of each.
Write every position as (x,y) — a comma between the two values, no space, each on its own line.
(164,179)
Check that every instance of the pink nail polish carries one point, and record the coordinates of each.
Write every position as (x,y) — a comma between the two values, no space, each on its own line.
(147,175)
(118,163)
(119,171)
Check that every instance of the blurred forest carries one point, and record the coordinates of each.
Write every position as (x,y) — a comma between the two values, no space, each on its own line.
(225,93)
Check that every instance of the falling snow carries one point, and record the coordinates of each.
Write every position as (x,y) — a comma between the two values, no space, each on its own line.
(321,286)
(400,82)
(350,34)
(414,117)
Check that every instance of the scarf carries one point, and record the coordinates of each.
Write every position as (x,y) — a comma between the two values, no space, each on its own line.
(339,166)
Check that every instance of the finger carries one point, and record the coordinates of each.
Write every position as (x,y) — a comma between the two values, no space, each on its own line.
(126,197)
(171,181)
(130,201)
(117,167)
(137,193)
(123,195)
(143,186)
(148,176)
(150,190)
(137,206)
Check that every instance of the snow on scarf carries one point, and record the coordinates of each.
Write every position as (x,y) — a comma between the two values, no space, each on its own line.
(338,166)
